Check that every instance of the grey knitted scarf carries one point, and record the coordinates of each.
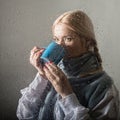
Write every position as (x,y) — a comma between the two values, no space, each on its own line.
(73,68)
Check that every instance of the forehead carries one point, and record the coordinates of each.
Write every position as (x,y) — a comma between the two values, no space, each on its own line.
(62,29)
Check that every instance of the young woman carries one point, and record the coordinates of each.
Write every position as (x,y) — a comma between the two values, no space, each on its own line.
(77,88)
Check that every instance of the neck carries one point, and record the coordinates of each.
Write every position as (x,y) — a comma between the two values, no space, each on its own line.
(76,56)
(81,53)
(84,64)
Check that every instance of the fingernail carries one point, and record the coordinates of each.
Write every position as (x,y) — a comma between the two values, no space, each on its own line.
(44,67)
(46,63)
(42,48)
(50,62)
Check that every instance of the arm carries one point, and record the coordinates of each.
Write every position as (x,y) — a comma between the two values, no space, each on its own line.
(68,101)
(72,109)
(70,105)
(107,109)
(29,103)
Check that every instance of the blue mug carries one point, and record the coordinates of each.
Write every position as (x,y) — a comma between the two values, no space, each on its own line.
(54,53)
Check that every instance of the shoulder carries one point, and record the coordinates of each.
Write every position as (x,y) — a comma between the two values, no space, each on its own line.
(99,88)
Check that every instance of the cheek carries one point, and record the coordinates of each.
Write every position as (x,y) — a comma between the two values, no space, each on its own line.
(74,46)
(69,46)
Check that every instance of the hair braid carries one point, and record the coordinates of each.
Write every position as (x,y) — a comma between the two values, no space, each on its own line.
(91,45)
(96,51)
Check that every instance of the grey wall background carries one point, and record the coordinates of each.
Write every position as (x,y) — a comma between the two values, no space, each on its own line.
(25,23)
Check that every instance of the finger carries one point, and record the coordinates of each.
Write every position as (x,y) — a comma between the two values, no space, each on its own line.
(55,80)
(39,50)
(36,55)
(53,68)
(35,58)
(48,74)
(53,65)
(52,80)
(36,49)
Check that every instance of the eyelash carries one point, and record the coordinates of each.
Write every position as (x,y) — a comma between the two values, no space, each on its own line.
(56,39)
(68,39)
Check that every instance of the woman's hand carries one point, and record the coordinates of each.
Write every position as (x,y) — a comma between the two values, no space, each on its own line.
(35,59)
(57,79)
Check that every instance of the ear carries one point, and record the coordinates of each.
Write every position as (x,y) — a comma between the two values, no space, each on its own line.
(90,44)
(84,42)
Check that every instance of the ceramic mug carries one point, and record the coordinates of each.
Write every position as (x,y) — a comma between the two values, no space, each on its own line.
(54,53)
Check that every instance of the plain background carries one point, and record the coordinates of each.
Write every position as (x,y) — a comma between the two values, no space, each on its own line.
(27,23)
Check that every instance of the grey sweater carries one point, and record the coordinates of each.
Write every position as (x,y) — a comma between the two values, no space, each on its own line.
(95,97)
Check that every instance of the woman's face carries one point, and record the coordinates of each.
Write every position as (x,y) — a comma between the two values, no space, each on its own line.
(64,36)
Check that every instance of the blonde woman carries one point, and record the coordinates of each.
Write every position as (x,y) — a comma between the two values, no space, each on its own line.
(77,88)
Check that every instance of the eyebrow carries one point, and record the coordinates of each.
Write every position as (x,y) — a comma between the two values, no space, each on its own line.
(65,36)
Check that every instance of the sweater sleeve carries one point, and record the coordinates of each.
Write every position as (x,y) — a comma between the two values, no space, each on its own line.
(73,110)
(109,107)
(29,103)
(106,109)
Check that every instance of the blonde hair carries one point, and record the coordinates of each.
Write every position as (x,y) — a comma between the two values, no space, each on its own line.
(81,24)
